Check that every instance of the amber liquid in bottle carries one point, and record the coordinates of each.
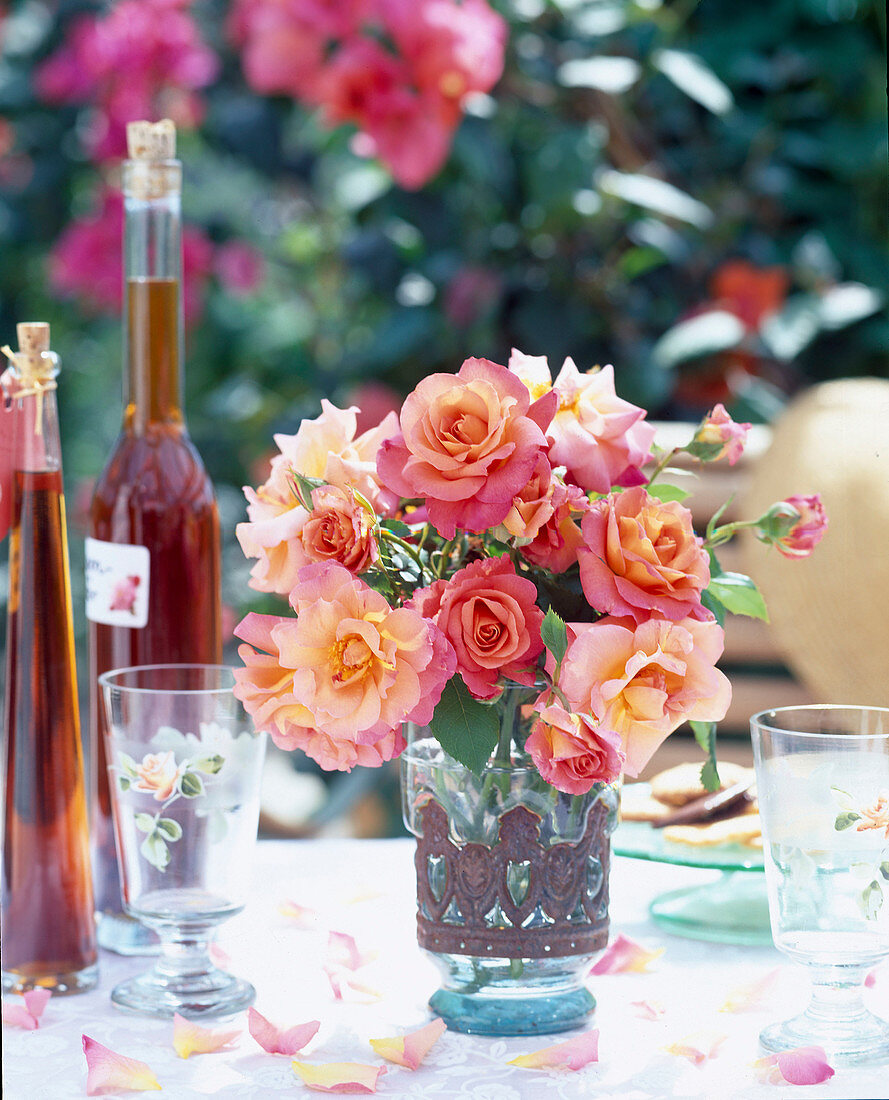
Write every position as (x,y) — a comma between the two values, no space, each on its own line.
(153,493)
(49,936)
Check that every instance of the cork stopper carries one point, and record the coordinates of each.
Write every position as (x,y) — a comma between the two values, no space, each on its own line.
(33,338)
(151,141)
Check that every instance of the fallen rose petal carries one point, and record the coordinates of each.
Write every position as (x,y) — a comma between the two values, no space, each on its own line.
(109,1071)
(301,915)
(18,1016)
(870,978)
(339,1076)
(190,1038)
(648,1010)
(36,1001)
(625,956)
(410,1050)
(750,996)
(343,981)
(573,1054)
(220,956)
(801,1066)
(697,1047)
(343,951)
(276,1040)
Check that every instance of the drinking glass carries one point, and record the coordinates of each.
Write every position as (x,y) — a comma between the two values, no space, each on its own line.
(184,768)
(822,777)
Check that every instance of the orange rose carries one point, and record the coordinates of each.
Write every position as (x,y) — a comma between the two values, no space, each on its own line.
(158,775)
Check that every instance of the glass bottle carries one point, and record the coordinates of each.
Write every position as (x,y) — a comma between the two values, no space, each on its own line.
(48,929)
(152,558)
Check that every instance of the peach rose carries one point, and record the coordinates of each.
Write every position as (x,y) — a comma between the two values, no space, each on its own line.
(158,775)
(488,614)
(641,555)
(323,448)
(532,507)
(599,438)
(468,444)
(555,546)
(339,529)
(571,753)
(644,680)
(340,679)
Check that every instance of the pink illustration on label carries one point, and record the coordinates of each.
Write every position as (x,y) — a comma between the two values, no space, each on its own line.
(123,595)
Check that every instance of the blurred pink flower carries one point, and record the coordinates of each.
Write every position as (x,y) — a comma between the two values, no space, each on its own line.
(719,436)
(646,680)
(808,530)
(239,267)
(86,261)
(470,293)
(373,401)
(141,59)
(469,442)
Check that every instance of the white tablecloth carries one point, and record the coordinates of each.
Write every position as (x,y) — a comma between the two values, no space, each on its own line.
(366,888)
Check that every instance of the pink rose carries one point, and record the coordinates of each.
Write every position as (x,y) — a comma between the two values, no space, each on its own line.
(571,753)
(158,775)
(556,545)
(808,530)
(488,614)
(641,555)
(719,437)
(469,443)
(532,507)
(644,680)
(599,438)
(339,529)
(340,679)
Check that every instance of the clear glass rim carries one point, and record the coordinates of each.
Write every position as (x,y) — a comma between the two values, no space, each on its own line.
(764,720)
(111,679)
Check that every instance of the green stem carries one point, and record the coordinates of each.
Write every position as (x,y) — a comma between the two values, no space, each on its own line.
(411,551)
(662,465)
(726,532)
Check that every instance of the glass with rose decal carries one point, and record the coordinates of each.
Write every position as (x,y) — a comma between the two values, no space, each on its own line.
(184,768)
(823,788)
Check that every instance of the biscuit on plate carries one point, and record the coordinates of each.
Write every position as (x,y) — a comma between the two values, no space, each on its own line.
(636,804)
(681,784)
(730,830)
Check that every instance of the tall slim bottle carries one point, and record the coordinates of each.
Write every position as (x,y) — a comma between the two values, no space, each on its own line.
(47,926)
(152,558)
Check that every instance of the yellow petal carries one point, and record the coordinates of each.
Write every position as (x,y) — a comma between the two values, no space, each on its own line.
(190,1038)
(751,995)
(339,1076)
(573,1054)
(108,1071)
(410,1050)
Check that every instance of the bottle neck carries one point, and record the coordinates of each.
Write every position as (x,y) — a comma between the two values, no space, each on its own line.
(153,303)
(37,446)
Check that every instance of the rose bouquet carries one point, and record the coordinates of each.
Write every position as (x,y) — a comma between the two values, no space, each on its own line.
(504,528)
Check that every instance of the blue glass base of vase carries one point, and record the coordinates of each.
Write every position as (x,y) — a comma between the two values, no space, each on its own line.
(481,1014)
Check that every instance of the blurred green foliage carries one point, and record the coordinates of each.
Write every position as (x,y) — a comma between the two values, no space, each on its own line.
(631,150)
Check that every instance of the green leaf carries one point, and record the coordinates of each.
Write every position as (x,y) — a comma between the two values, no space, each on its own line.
(497,549)
(128,764)
(738,594)
(191,785)
(884,869)
(144,823)
(169,829)
(466,729)
(209,765)
(706,334)
(155,851)
(705,735)
(124,782)
(872,900)
(693,76)
(846,820)
(666,492)
(713,606)
(303,487)
(555,635)
(397,528)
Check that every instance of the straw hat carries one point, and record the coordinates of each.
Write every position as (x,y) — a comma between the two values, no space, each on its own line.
(830,612)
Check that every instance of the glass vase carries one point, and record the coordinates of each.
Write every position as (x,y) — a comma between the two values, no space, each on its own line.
(512,882)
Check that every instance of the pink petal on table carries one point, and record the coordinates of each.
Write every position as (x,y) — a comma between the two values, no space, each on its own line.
(648,1010)
(190,1038)
(343,981)
(18,1016)
(870,978)
(573,1054)
(343,951)
(747,997)
(410,1050)
(109,1071)
(36,1001)
(697,1047)
(301,915)
(801,1066)
(339,1076)
(277,1040)
(625,955)
(220,956)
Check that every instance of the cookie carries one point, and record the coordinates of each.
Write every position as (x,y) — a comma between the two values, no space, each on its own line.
(636,804)
(681,784)
(731,830)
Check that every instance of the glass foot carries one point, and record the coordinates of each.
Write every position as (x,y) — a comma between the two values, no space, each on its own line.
(478,1014)
(75,981)
(125,936)
(213,993)
(734,909)
(859,1039)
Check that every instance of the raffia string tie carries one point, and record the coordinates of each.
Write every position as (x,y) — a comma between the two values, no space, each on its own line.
(27,382)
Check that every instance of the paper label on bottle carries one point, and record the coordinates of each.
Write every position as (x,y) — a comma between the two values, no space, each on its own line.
(117,578)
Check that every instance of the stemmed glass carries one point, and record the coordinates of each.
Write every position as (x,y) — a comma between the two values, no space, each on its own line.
(184,771)
(823,786)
